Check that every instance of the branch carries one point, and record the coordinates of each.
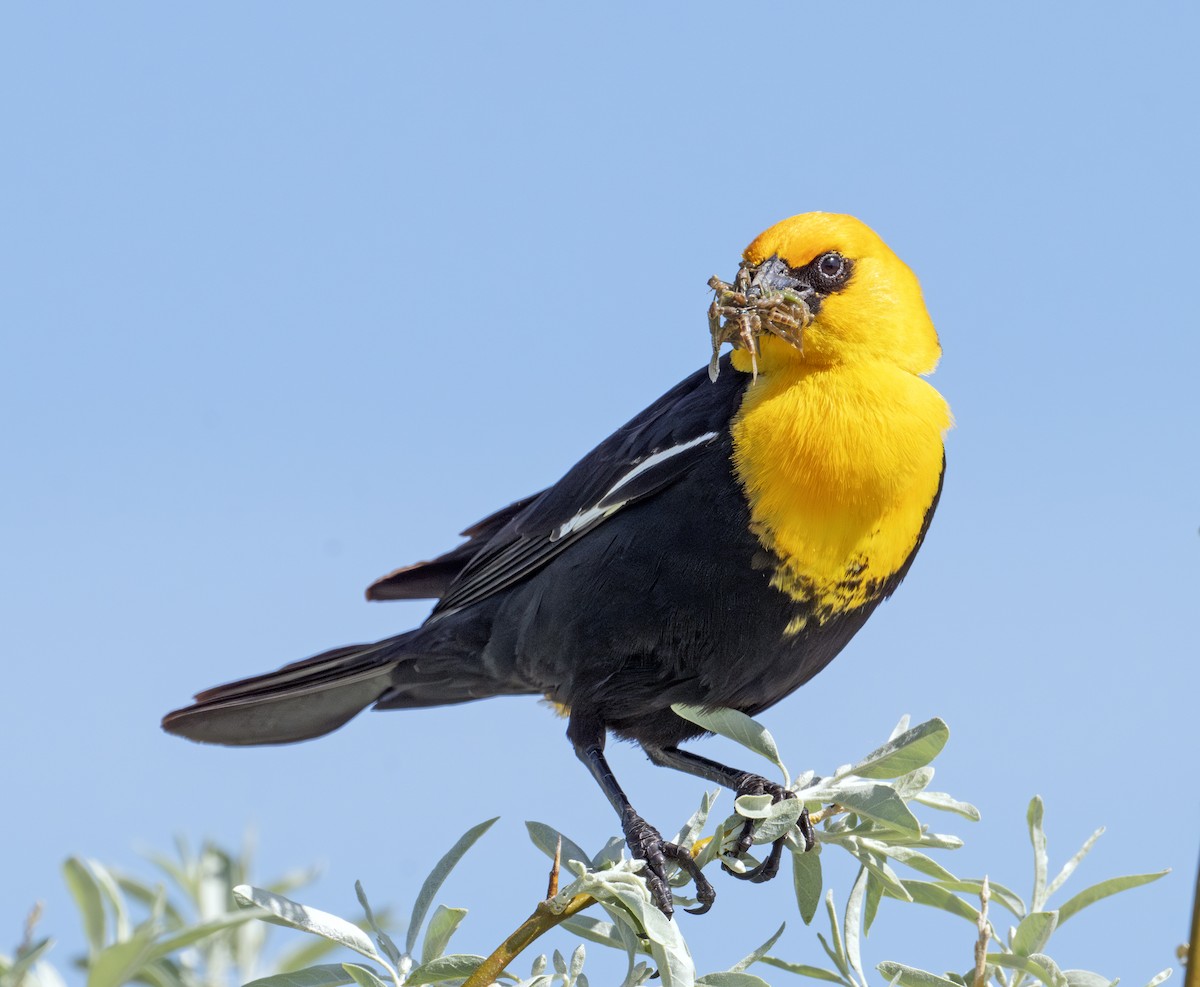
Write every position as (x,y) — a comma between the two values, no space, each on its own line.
(538,924)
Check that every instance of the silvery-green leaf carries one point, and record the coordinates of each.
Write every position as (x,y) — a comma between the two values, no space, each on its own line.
(116,901)
(546,838)
(838,960)
(363,976)
(145,894)
(14,974)
(1050,967)
(939,841)
(1032,965)
(912,784)
(307,952)
(120,963)
(389,948)
(201,930)
(737,727)
(804,970)
(853,923)
(624,890)
(778,820)
(691,830)
(755,806)
(284,911)
(325,975)
(911,858)
(890,884)
(442,926)
(924,893)
(1070,865)
(871,903)
(1159,977)
(636,971)
(44,975)
(836,952)
(576,965)
(609,854)
(439,874)
(940,800)
(594,930)
(539,966)
(910,750)
(878,803)
(1105,888)
(802,780)
(806,878)
(901,727)
(998,893)
(731,978)
(724,837)
(1034,932)
(759,953)
(1086,978)
(741,864)
(455,966)
(559,961)
(638,975)
(907,976)
(88,900)
(1037,836)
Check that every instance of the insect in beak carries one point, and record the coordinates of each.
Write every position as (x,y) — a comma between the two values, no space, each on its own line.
(762,298)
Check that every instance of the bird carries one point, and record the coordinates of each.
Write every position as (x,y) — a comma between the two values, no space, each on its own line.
(718,550)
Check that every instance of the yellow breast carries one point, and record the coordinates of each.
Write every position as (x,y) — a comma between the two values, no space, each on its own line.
(840,465)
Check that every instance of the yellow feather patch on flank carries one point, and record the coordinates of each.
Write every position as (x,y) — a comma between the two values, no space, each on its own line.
(839,464)
(557,708)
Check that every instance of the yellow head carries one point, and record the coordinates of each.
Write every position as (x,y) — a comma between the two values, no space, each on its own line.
(867,303)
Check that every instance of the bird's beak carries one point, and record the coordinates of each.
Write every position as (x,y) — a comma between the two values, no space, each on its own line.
(764,298)
(772,275)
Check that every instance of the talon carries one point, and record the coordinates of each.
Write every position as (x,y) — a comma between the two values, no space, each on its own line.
(806,830)
(769,868)
(765,871)
(646,843)
(706,894)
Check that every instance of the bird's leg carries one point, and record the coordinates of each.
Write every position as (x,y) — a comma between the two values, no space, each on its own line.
(644,841)
(743,783)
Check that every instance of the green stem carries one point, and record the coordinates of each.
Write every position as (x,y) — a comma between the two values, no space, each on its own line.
(538,924)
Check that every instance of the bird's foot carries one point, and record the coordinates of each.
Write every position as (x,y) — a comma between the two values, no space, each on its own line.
(646,843)
(756,785)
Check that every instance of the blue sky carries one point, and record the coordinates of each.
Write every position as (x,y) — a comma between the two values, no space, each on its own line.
(292,294)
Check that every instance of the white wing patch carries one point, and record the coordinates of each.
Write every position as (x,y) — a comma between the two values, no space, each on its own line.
(606,505)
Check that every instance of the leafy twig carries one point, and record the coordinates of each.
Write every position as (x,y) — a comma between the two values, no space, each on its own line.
(984,934)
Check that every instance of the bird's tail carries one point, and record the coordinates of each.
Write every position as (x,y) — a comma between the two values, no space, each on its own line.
(312,697)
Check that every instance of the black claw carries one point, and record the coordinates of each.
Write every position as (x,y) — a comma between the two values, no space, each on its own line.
(764,871)
(756,785)
(706,894)
(806,830)
(646,843)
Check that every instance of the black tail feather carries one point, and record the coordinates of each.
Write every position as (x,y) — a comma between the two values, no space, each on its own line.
(301,700)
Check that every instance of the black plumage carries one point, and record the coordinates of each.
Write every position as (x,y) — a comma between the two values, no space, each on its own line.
(633,583)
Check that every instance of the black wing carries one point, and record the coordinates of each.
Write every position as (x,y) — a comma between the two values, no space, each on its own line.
(641,458)
(426,580)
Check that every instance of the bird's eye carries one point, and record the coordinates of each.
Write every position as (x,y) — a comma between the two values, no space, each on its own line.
(832,266)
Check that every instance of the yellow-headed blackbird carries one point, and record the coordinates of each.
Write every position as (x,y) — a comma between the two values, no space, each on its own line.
(718,550)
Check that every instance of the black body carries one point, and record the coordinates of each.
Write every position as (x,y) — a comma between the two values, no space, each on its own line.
(665,600)
(633,583)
